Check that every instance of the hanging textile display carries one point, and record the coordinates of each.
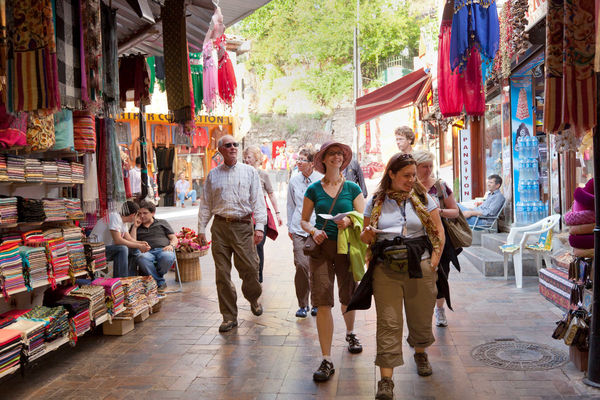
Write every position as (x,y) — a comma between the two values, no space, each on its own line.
(68,52)
(570,84)
(110,58)
(177,76)
(196,68)
(90,185)
(475,23)
(210,73)
(40,132)
(63,130)
(32,67)
(134,75)
(226,74)
(84,131)
(13,129)
(111,188)
(92,46)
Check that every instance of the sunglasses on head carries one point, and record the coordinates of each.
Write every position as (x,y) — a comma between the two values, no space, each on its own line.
(405,156)
(228,145)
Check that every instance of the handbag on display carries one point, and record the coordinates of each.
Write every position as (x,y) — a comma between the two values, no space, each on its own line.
(312,248)
(458,229)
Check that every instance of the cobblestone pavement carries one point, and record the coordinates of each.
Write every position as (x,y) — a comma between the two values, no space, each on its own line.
(179,353)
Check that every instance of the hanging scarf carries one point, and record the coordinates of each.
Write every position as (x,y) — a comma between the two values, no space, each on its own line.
(92,39)
(102,165)
(196,67)
(432,232)
(226,74)
(116,192)
(210,85)
(68,52)
(110,59)
(90,185)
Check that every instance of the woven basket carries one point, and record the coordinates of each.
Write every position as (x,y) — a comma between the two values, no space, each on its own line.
(189,266)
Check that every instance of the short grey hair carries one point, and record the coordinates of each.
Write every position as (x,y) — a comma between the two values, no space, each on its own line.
(422,156)
(220,142)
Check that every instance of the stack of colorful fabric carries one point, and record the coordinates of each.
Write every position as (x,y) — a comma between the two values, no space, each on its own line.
(3,169)
(79,312)
(11,269)
(135,299)
(150,290)
(73,237)
(34,171)
(55,318)
(15,167)
(32,334)
(58,258)
(73,207)
(34,238)
(50,170)
(64,171)
(10,317)
(10,349)
(8,210)
(55,209)
(95,294)
(77,175)
(95,254)
(30,210)
(53,233)
(35,265)
(113,290)
(12,237)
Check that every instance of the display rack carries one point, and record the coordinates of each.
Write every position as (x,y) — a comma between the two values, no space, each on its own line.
(46,283)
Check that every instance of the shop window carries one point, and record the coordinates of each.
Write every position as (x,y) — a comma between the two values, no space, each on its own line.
(493,137)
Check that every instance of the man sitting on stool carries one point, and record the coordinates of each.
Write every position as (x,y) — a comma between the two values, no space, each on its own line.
(182,188)
(162,240)
(491,206)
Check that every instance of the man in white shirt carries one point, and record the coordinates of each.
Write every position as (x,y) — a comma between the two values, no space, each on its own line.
(112,231)
(182,189)
(135,178)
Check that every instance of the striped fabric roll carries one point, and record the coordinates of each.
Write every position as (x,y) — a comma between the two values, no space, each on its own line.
(84,126)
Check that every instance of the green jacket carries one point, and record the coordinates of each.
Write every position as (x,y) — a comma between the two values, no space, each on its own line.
(348,242)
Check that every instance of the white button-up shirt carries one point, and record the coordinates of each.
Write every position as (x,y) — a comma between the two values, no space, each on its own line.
(295,200)
(233,192)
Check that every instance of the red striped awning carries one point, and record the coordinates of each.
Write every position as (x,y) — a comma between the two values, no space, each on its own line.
(401,93)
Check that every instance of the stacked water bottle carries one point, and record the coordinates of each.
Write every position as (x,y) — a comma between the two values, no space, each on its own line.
(529,209)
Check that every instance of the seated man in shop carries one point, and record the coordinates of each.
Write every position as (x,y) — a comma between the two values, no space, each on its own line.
(162,240)
(183,191)
(112,231)
(492,204)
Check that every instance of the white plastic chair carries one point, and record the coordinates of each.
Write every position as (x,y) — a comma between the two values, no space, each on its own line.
(543,247)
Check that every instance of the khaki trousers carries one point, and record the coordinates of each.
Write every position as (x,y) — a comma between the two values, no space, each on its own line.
(302,277)
(237,239)
(394,291)
(323,273)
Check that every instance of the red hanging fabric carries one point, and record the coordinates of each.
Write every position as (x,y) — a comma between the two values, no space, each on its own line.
(450,95)
(226,74)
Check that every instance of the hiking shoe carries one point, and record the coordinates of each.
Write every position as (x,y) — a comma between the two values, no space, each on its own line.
(324,372)
(440,317)
(385,389)
(257,308)
(354,345)
(423,366)
(226,326)
(302,312)
(313,311)
(162,287)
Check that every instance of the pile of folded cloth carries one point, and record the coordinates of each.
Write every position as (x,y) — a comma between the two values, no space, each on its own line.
(135,298)
(58,258)
(8,210)
(55,318)
(73,207)
(53,233)
(12,237)
(30,210)
(50,170)
(79,312)
(34,238)
(150,290)
(10,317)
(32,334)
(34,172)
(55,209)
(3,170)
(113,290)
(15,167)
(77,175)
(35,264)
(10,349)
(73,237)
(95,254)
(11,269)
(95,294)
(64,171)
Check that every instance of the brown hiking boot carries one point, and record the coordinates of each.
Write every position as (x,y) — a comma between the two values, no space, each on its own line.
(385,389)
(423,366)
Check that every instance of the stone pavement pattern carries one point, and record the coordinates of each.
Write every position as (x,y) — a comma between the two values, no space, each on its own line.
(178,353)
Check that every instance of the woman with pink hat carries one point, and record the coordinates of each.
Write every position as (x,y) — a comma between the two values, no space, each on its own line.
(331,161)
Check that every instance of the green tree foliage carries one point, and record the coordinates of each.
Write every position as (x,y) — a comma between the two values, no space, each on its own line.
(317,36)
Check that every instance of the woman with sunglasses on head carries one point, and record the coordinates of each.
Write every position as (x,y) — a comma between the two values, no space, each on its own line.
(320,196)
(406,238)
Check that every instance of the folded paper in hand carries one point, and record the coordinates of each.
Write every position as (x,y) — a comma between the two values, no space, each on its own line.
(334,218)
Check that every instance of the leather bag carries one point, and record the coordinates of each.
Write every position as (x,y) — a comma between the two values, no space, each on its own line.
(457,229)
(312,248)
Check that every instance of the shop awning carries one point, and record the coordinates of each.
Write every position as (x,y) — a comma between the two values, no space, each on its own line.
(139,27)
(401,93)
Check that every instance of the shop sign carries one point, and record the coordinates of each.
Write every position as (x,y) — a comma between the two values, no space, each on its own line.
(536,10)
(167,119)
(466,165)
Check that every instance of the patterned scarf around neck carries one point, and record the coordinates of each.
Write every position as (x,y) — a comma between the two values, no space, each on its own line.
(421,210)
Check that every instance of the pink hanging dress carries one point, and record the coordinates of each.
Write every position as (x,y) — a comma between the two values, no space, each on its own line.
(209,78)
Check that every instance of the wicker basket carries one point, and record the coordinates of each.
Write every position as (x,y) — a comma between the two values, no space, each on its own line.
(189,266)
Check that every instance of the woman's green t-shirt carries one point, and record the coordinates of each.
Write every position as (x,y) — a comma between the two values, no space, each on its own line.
(323,202)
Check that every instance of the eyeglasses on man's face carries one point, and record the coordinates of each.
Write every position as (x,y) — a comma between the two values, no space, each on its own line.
(231,144)
(302,160)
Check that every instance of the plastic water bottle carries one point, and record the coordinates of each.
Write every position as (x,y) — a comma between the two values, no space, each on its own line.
(535,173)
(535,186)
(525,140)
(520,212)
(534,148)
(529,212)
(536,211)
(521,144)
(525,169)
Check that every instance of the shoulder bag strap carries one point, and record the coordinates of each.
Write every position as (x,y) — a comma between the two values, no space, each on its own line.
(333,203)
